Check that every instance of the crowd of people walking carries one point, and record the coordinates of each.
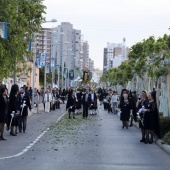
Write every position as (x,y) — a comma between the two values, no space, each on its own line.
(131,107)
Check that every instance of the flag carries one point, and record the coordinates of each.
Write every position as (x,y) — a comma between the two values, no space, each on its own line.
(30,45)
(42,57)
(48,69)
(4,30)
(38,62)
(53,62)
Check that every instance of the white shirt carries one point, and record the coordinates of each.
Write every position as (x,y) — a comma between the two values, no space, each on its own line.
(46,97)
(114,98)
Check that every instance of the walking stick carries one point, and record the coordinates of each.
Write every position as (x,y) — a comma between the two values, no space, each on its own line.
(22,108)
(12,116)
(90,106)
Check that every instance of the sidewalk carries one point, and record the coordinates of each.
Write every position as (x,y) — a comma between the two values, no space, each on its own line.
(36,110)
(159,142)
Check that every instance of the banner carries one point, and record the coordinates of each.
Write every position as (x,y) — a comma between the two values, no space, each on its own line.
(4,30)
(42,57)
(71,75)
(38,62)
(48,69)
(30,45)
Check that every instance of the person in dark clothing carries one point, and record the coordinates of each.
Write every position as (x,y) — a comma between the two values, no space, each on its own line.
(142,103)
(78,96)
(133,99)
(70,106)
(93,102)
(24,104)
(28,92)
(86,104)
(151,118)
(55,96)
(13,109)
(63,95)
(101,95)
(3,111)
(126,109)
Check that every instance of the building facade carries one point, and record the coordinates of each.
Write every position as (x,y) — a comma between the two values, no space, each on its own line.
(114,55)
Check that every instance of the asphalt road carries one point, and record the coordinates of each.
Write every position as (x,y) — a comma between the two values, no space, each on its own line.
(98,143)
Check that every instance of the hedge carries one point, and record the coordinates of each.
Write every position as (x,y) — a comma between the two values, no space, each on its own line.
(164,125)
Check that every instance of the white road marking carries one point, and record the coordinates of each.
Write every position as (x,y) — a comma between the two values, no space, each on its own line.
(32,143)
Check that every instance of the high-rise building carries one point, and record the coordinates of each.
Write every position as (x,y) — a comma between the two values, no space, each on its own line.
(105,61)
(67,44)
(91,65)
(85,55)
(114,55)
(76,47)
(43,44)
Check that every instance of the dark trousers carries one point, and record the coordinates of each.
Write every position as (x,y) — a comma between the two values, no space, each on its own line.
(22,123)
(57,105)
(109,108)
(85,109)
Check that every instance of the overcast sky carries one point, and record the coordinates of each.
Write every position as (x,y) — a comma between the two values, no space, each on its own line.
(103,21)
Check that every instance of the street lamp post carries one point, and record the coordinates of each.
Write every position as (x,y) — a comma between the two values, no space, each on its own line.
(63,65)
(33,67)
(66,76)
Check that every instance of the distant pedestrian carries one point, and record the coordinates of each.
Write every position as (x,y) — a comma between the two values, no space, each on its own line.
(151,118)
(47,100)
(63,95)
(126,109)
(114,100)
(70,106)
(140,105)
(13,109)
(24,104)
(3,111)
(86,104)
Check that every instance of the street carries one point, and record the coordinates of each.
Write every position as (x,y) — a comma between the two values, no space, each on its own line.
(98,143)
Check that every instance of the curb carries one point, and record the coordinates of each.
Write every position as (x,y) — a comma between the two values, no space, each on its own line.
(163,146)
(158,142)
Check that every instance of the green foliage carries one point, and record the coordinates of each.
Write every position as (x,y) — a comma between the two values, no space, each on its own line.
(48,77)
(24,18)
(166,138)
(148,56)
(164,125)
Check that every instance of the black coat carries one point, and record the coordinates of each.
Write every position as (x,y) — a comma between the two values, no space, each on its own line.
(125,110)
(3,109)
(151,119)
(88,100)
(71,103)
(94,102)
(27,102)
(13,104)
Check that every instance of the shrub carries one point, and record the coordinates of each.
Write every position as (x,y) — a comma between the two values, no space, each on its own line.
(164,125)
(166,138)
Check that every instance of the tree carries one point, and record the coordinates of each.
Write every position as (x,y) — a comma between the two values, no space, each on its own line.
(24,18)
(150,56)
